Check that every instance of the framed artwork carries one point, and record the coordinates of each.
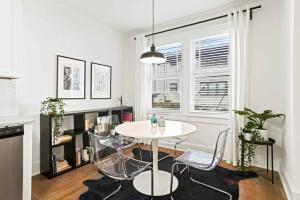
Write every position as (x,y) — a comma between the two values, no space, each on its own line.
(100,81)
(70,78)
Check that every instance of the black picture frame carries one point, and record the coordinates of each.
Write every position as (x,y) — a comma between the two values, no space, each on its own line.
(58,57)
(93,64)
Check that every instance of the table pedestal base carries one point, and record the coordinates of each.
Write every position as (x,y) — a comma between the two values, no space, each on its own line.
(162,180)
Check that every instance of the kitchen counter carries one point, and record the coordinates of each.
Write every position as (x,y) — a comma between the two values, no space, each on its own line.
(12,121)
(27,149)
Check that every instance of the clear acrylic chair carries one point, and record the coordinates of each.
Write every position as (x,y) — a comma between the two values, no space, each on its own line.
(117,166)
(108,121)
(203,161)
(174,142)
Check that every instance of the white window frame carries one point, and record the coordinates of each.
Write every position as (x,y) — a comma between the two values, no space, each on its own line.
(185,36)
(166,110)
(192,77)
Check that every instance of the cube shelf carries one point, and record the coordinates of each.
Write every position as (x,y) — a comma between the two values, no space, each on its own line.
(46,146)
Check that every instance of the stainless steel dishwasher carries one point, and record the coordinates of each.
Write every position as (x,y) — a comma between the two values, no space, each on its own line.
(11,163)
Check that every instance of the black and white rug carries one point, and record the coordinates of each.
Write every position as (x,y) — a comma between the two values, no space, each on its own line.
(220,177)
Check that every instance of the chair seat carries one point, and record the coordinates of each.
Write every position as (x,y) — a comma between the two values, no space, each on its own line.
(196,158)
(174,140)
(117,142)
(112,167)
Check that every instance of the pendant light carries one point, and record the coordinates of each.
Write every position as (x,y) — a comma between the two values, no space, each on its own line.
(152,56)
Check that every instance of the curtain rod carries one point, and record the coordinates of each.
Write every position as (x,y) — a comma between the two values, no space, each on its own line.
(200,22)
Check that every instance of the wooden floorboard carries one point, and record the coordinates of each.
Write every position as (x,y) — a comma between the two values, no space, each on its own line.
(70,185)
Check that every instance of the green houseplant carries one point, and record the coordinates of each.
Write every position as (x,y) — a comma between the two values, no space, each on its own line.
(259,119)
(247,149)
(252,131)
(55,108)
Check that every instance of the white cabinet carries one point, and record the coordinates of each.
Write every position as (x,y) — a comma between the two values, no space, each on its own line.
(10,26)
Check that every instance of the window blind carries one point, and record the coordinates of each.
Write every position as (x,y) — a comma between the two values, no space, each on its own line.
(166,78)
(211,74)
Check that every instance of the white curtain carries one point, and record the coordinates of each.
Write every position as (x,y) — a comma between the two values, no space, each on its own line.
(239,23)
(141,80)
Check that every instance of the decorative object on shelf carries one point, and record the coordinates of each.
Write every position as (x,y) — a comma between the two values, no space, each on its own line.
(55,108)
(100,81)
(112,129)
(152,56)
(120,101)
(85,155)
(153,121)
(259,119)
(78,157)
(70,78)
(161,121)
(127,117)
(86,124)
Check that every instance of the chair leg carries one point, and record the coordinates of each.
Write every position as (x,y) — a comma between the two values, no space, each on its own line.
(211,187)
(175,147)
(185,168)
(171,184)
(152,184)
(165,158)
(113,193)
(150,150)
(141,157)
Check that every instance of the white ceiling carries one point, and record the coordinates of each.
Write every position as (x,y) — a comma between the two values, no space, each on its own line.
(130,15)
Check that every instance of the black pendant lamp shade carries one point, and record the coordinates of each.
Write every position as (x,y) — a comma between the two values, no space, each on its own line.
(152,56)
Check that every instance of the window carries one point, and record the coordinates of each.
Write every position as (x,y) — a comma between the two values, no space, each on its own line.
(166,78)
(210,74)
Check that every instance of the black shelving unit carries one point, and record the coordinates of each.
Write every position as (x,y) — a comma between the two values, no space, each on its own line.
(46,146)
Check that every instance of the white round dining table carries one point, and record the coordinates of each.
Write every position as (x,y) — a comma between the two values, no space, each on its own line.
(144,130)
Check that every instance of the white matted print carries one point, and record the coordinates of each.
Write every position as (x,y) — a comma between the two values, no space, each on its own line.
(100,81)
(70,78)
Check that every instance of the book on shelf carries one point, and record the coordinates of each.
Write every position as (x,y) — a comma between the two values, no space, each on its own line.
(54,164)
(78,158)
(62,165)
(66,138)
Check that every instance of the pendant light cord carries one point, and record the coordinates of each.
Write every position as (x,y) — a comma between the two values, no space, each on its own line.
(153,22)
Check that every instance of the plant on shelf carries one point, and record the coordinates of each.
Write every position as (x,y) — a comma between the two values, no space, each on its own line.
(247,149)
(252,131)
(112,129)
(259,119)
(55,108)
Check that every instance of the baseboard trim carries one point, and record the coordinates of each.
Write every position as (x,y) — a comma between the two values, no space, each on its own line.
(35,168)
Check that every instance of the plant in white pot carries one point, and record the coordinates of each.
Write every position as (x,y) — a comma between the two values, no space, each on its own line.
(55,108)
(259,119)
(247,149)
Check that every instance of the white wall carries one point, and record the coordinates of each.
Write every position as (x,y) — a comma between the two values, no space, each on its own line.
(290,159)
(51,28)
(267,29)
(266,77)
(10,21)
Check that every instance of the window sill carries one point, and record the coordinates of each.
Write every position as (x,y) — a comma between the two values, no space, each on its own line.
(208,118)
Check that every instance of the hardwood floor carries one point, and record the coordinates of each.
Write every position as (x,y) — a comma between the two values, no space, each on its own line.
(69,186)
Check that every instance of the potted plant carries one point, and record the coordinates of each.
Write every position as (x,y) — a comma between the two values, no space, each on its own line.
(55,108)
(247,149)
(112,129)
(259,119)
